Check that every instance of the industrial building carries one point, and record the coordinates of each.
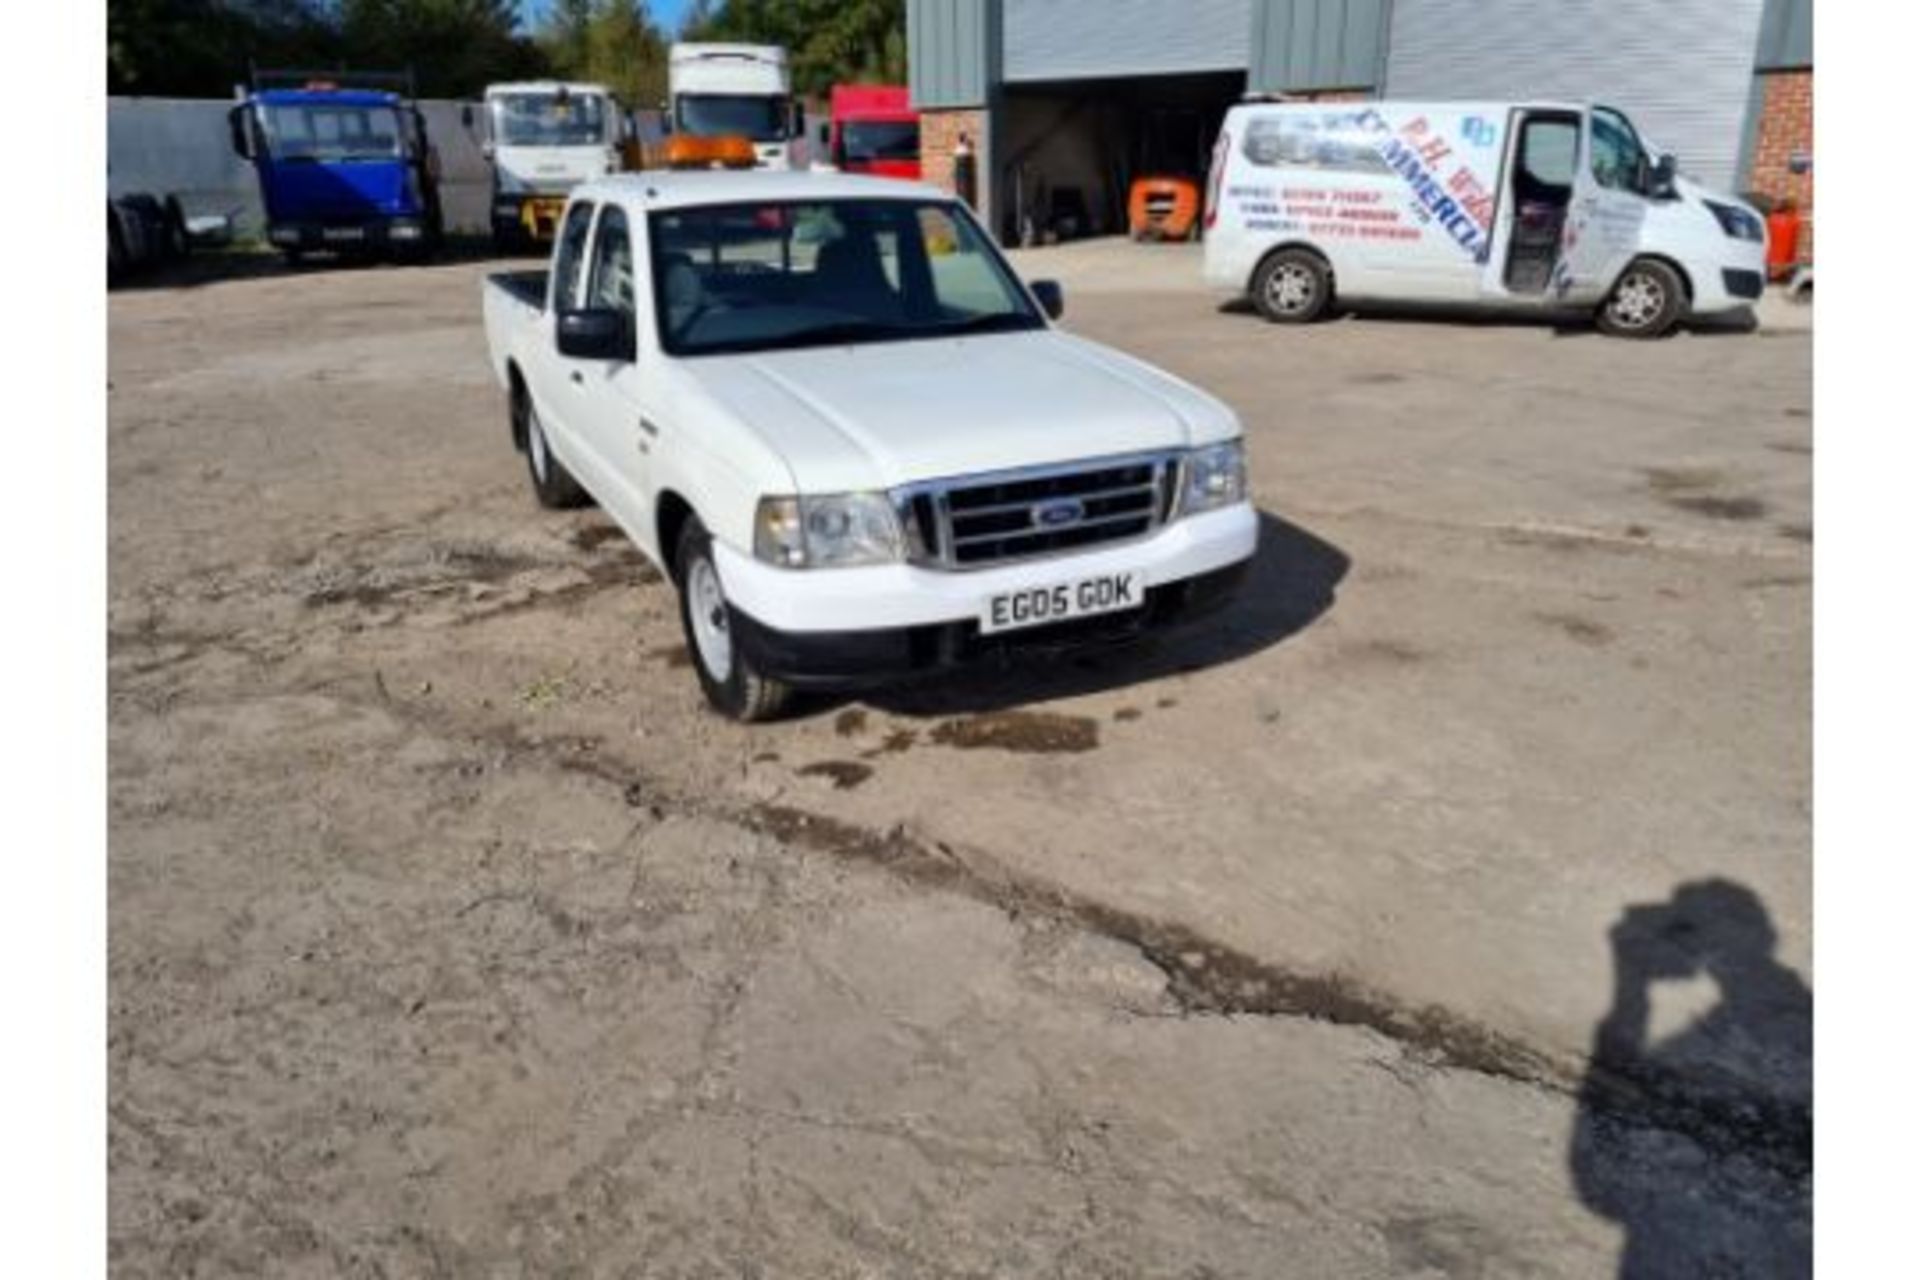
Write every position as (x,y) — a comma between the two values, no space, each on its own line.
(1062,102)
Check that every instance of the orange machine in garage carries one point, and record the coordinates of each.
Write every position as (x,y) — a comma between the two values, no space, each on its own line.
(1164,207)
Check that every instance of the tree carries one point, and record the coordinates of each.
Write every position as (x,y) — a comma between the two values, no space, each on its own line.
(611,42)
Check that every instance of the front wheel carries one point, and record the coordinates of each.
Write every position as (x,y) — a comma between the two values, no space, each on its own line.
(733,686)
(1646,301)
(1293,287)
(553,485)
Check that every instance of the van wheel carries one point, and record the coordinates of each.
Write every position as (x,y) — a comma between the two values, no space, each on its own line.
(1292,287)
(1646,301)
(553,484)
(727,676)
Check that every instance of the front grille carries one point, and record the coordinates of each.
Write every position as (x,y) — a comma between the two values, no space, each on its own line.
(977,521)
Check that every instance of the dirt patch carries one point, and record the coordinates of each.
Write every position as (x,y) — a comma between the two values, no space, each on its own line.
(589,537)
(1795,532)
(1797,411)
(675,656)
(851,722)
(897,742)
(1380,379)
(1794,447)
(1396,653)
(1584,630)
(1125,714)
(1040,732)
(1680,479)
(844,774)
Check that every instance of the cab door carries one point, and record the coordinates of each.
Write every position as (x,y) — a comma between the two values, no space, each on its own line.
(550,377)
(1609,209)
(609,393)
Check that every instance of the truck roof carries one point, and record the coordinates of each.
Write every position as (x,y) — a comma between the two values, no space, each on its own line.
(871,100)
(548,86)
(771,53)
(1480,106)
(332,97)
(669,189)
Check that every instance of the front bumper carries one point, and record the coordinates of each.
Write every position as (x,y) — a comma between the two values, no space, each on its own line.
(1727,280)
(860,626)
(371,233)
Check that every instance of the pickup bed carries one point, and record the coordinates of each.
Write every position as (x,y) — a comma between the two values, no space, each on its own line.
(851,436)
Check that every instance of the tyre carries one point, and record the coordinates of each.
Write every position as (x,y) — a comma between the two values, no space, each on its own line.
(1646,301)
(553,484)
(174,241)
(727,676)
(1293,287)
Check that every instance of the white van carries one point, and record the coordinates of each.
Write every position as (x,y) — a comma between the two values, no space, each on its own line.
(1534,205)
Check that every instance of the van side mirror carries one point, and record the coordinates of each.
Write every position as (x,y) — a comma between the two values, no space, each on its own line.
(1660,180)
(237,128)
(599,333)
(1051,297)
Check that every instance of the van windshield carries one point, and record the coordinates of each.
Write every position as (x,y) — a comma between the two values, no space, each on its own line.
(718,115)
(773,276)
(869,140)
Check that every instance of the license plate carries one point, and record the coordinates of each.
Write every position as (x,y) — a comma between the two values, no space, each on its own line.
(340,233)
(1084,597)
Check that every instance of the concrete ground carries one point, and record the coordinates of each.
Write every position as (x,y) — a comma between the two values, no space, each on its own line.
(1444,909)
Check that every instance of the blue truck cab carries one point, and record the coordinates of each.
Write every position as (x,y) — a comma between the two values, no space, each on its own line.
(341,169)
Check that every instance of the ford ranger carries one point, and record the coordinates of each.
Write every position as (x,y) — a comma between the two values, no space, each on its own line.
(853,439)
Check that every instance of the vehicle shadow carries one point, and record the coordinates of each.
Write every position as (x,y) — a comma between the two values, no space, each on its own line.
(1563,324)
(1290,583)
(1700,1145)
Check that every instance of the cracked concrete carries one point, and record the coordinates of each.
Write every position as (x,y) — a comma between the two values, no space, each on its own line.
(450,937)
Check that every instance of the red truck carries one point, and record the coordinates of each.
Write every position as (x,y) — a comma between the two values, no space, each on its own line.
(874,130)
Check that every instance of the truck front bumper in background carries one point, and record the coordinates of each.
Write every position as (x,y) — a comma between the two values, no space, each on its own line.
(848,627)
(377,233)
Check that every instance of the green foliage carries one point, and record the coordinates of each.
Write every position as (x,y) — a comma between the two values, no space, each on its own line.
(202,48)
(611,42)
(830,41)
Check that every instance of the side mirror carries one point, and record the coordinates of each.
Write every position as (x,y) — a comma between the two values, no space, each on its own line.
(1052,299)
(1660,181)
(237,127)
(597,334)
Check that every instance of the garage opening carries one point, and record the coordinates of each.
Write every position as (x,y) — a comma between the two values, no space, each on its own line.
(1071,152)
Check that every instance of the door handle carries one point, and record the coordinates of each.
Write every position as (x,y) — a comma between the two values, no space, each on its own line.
(649,428)
(577,377)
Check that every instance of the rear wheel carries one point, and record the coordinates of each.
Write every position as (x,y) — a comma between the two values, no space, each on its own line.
(1293,287)
(553,485)
(728,678)
(1646,301)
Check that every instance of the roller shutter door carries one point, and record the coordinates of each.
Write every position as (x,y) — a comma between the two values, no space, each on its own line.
(1087,39)
(1680,68)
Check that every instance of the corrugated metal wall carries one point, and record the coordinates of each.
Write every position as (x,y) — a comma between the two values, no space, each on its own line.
(1682,69)
(1786,35)
(1082,39)
(951,51)
(1302,45)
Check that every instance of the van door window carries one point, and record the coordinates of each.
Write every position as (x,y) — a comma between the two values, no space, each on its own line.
(1617,158)
(567,260)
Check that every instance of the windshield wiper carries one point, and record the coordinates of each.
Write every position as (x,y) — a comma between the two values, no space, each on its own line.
(990,322)
(844,331)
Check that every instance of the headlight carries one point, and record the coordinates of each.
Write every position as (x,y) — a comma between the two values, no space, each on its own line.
(834,531)
(1213,477)
(1741,224)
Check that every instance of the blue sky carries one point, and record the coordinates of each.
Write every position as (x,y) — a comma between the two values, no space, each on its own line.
(665,12)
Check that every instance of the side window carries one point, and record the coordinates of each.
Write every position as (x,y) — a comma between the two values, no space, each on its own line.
(610,283)
(572,252)
(1547,150)
(1616,152)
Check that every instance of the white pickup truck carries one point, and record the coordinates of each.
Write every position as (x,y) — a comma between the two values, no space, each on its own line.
(830,411)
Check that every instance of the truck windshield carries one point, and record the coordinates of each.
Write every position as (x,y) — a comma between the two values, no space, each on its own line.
(550,119)
(717,115)
(328,132)
(869,140)
(772,276)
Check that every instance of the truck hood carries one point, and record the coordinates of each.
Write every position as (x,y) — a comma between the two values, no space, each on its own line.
(548,170)
(877,415)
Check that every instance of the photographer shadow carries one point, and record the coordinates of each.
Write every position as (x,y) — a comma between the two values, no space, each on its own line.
(1700,1145)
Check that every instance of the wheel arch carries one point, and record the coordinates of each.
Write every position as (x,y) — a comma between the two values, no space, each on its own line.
(670,515)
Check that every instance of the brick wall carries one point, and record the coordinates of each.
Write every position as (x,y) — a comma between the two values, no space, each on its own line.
(1786,131)
(940,133)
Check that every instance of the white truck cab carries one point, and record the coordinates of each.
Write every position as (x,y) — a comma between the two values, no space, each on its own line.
(1525,205)
(828,409)
(736,90)
(542,138)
